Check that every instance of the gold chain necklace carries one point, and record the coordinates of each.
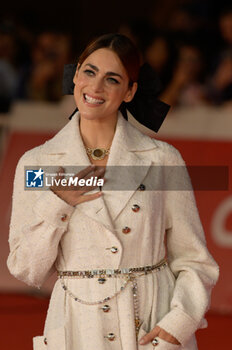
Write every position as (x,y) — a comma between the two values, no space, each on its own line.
(97,153)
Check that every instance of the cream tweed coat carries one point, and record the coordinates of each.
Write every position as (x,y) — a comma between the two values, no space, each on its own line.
(175,298)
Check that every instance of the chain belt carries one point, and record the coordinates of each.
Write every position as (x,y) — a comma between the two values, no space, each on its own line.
(129,274)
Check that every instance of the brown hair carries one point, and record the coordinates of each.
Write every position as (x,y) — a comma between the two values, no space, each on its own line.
(123,47)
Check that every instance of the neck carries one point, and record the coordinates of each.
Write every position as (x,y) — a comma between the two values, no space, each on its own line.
(98,132)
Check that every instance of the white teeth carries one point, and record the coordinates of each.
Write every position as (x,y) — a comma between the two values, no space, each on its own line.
(90,99)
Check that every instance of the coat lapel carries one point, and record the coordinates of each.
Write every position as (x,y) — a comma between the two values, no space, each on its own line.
(127,165)
(127,156)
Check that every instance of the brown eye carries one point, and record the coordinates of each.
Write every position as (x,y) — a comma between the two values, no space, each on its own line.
(113,81)
(89,72)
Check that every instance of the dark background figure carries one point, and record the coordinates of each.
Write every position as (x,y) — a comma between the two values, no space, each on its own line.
(49,54)
(8,74)
(187,42)
(219,83)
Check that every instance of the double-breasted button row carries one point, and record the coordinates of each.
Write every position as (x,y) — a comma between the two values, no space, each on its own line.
(135,208)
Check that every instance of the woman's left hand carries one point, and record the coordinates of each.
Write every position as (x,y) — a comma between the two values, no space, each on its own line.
(157,331)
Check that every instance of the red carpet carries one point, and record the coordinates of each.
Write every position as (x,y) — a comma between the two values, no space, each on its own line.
(22,317)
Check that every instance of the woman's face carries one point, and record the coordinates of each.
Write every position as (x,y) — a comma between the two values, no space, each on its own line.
(101,85)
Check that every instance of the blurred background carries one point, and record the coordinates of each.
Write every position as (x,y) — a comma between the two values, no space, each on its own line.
(189,45)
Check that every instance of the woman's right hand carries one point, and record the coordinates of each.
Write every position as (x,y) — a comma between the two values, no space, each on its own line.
(72,194)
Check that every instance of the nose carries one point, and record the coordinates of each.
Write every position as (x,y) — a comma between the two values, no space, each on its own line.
(98,84)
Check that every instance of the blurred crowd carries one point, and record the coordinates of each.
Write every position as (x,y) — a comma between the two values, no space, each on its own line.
(190,51)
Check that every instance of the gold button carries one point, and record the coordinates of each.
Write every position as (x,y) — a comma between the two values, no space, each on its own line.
(105,308)
(141,187)
(155,342)
(114,250)
(135,207)
(110,336)
(126,229)
(64,217)
(101,280)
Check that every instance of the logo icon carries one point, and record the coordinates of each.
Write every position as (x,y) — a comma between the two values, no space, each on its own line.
(34,178)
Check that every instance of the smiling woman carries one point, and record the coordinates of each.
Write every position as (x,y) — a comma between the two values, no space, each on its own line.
(100,88)
(132,265)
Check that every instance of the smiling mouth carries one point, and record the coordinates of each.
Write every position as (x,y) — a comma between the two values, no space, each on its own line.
(92,100)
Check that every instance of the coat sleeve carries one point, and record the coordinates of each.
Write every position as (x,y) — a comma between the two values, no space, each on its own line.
(195,269)
(35,229)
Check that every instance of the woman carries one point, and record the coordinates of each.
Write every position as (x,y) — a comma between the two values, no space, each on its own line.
(92,239)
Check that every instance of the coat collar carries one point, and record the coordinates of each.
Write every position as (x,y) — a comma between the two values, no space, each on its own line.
(129,148)
(69,139)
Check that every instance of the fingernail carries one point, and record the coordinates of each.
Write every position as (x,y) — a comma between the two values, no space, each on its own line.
(142,341)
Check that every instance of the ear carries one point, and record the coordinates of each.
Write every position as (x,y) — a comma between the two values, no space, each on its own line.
(131,92)
(76,73)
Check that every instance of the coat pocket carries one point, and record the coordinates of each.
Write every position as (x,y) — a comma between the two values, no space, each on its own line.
(162,345)
(53,340)
(148,346)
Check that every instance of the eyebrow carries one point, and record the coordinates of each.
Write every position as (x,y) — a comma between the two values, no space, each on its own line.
(107,73)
